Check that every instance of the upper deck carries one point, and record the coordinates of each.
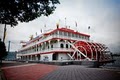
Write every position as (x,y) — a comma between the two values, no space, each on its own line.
(59,33)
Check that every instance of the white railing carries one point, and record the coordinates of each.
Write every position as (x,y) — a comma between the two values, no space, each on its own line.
(33,44)
(50,50)
(50,37)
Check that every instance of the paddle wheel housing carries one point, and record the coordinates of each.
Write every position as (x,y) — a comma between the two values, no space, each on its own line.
(94,51)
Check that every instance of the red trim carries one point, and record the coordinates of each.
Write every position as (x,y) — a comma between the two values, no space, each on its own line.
(66,30)
(33,40)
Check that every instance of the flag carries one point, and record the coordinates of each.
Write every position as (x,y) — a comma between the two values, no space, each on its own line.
(44,30)
(57,25)
(59,20)
(36,33)
(65,20)
(88,27)
(75,23)
(69,27)
(31,37)
(45,25)
(41,30)
(65,23)
(22,42)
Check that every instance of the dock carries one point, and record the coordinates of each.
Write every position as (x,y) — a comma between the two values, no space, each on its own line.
(38,71)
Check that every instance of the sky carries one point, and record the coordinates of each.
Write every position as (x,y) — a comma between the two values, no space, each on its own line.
(103,17)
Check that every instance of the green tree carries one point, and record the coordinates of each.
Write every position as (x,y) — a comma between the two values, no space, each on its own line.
(12,11)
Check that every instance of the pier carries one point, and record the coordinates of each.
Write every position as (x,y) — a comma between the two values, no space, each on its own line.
(38,71)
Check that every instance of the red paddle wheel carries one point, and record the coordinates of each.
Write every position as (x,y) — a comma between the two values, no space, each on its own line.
(84,48)
(94,51)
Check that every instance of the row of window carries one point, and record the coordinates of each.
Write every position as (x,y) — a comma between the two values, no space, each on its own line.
(70,35)
(41,48)
(67,34)
(65,46)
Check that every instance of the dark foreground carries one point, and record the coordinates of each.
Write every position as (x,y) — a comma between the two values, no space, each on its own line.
(27,71)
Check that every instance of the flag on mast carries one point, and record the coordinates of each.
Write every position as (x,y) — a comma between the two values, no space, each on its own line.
(36,33)
(41,30)
(57,25)
(75,23)
(69,27)
(31,37)
(88,27)
(65,23)
(45,25)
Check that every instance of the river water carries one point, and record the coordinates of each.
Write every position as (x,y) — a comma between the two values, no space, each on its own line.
(115,64)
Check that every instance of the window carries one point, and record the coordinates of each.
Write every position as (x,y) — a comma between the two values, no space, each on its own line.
(56,32)
(65,34)
(88,38)
(69,34)
(48,47)
(52,46)
(79,36)
(43,46)
(82,37)
(76,35)
(61,46)
(34,49)
(66,45)
(37,47)
(60,33)
(72,35)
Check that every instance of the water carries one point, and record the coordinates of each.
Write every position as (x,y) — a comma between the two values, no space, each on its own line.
(115,64)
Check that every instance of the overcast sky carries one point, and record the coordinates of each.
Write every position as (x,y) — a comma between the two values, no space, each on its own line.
(103,17)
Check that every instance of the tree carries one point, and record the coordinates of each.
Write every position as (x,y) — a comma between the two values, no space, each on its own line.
(12,11)
(3,52)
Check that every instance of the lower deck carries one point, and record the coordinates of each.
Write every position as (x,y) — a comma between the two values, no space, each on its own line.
(46,57)
(61,56)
